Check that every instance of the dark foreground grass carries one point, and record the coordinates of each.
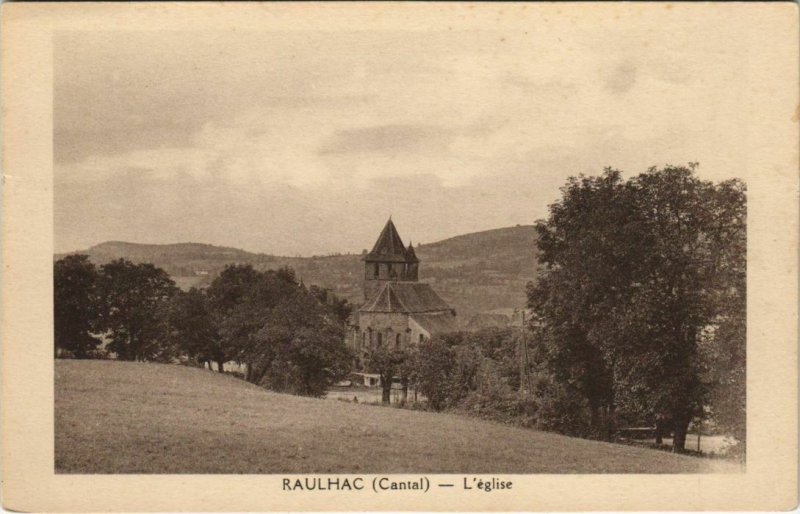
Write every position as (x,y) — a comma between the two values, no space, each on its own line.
(116,417)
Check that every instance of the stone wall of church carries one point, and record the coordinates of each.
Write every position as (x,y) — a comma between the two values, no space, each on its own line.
(383,328)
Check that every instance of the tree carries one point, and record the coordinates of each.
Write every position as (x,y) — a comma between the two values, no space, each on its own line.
(339,307)
(581,245)
(407,371)
(723,343)
(634,273)
(694,232)
(290,337)
(75,305)
(386,361)
(135,310)
(240,299)
(477,371)
(435,366)
(301,346)
(194,329)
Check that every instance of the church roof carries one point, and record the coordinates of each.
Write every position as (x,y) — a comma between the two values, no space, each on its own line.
(407,298)
(389,247)
(436,323)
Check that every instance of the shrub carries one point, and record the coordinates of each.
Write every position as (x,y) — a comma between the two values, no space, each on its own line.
(558,409)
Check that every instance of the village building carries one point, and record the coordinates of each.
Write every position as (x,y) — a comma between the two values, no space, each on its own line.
(398,309)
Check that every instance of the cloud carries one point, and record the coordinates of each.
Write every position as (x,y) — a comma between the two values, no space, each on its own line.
(250,139)
(388,139)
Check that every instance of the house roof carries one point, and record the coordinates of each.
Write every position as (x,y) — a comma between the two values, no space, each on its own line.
(407,298)
(436,323)
(389,247)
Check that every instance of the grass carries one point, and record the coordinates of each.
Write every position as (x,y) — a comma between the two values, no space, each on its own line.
(119,417)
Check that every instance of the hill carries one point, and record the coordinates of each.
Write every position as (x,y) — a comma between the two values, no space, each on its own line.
(187,252)
(474,272)
(126,417)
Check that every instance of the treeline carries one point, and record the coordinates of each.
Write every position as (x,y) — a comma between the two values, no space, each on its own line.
(491,373)
(288,336)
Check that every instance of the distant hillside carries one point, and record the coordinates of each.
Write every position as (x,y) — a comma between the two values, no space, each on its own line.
(475,272)
(188,251)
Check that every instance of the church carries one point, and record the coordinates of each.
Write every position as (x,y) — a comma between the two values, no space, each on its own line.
(398,309)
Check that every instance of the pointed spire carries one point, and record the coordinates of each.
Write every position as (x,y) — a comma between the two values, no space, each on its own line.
(389,247)
(411,255)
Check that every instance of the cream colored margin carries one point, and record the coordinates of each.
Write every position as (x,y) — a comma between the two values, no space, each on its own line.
(771,172)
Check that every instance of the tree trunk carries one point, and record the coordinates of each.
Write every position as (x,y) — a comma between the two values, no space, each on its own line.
(258,373)
(221,365)
(611,422)
(132,353)
(659,429)
(248,372)
(680,428)
(386,397)
(404,394)
(593,416)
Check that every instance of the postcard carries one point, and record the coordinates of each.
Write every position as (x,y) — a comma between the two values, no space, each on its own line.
(400,256)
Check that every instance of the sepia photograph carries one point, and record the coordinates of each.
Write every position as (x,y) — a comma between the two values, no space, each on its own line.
(363,252)
(409,255)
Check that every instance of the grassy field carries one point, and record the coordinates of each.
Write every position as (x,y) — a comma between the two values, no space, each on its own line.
(115,417)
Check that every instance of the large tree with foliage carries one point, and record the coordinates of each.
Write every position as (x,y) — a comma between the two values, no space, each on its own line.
(638,275)
(289,337)
(228,303)
(75,305)
(300,346)
(194,328)
(479,371)
(240,299)
(580,244)
(135,310)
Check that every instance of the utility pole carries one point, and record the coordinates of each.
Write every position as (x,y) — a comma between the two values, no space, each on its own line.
(525,378)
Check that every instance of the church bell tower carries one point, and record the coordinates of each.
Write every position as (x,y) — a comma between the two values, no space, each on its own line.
(389,260)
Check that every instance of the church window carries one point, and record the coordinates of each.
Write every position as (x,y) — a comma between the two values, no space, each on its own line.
(397,342)
(380,338)
(377,269)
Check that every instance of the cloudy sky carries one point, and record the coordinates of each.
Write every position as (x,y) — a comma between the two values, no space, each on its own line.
(300,143)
